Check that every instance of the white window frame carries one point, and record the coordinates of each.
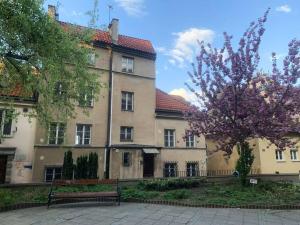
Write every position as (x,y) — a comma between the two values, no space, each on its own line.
(168,145)
(84,131)
(127,94)
(126,134)
(2,123)
(170,169)
(58,124)
(279,155)
(294,157)
(125,64)
(92,58)
(190,141)
(129,159)
(85,96)
(190,168)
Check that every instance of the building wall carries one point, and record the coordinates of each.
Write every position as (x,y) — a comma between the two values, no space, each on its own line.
(134,170)
(216,160)
(181,157)
(180,127)
(269,164)
(19,168)
(48,156)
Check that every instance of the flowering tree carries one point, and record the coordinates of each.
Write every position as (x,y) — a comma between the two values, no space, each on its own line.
(238,102)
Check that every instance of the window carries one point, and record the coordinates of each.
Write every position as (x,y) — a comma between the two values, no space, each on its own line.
(170,170)
(279,155)
(6,122)
(91,58)
(86,99)
(192,169)
(83,134)
(59,89)
(126,158)
(127,101)
(56,133)
(52,173)
(294,154)
(127,64)
(190,141)
(169,138)
(126,134)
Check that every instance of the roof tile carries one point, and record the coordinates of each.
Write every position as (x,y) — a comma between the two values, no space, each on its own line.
(170,102)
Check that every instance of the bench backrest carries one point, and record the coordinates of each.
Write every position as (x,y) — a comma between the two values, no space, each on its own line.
(84,182)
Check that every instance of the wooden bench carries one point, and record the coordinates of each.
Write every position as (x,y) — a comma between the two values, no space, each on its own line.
(55,196)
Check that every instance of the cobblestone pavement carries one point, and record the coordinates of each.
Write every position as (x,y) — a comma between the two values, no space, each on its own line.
(130,214)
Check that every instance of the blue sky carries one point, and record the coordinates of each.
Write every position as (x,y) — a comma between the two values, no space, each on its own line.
(174,26)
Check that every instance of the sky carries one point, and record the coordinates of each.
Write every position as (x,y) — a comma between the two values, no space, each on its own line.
(175,26)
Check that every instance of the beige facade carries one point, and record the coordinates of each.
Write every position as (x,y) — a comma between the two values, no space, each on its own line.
(265,162)
(16,149)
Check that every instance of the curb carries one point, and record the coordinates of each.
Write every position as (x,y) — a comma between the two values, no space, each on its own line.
(197,205)
(21,206)
(165,202)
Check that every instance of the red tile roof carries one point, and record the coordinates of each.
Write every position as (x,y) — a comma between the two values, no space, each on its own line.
(170,102)
(124,41)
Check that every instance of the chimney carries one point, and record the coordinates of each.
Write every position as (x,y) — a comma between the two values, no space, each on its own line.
(114,30)
(52,12)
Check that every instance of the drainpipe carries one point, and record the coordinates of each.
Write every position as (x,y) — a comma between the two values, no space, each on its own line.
(109,118)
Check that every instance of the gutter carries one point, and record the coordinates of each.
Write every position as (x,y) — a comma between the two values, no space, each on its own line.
(109,118)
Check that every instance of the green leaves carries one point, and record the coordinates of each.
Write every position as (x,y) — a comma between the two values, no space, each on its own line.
(37,52)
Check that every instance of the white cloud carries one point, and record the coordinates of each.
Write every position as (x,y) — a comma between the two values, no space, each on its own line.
(132,7)
(160,49)
(187,95)
(284,8)
(75,13)
(186,44)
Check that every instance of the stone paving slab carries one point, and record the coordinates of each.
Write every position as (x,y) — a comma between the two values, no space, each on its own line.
(146,214)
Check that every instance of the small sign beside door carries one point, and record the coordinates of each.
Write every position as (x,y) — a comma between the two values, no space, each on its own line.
(253,181)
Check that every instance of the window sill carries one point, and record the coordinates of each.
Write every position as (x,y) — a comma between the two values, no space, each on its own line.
(295,160)
(124,110)
(126,140)
(280,161)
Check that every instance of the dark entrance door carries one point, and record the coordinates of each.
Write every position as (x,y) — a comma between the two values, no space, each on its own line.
(3,161)
(148,165)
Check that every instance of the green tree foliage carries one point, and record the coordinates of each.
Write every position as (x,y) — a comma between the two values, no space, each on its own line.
(41,56)
(68,166)
(244,163)
(93,165)
(81,171)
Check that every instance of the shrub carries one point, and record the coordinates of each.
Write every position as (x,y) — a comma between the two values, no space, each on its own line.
(177,194)
(81,167)
(132,193)
(168,184)
(93,165)
(68,165)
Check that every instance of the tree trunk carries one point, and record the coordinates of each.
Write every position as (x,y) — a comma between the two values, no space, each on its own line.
(244,162)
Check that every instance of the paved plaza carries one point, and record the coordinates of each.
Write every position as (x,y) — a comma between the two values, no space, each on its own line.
(130,214)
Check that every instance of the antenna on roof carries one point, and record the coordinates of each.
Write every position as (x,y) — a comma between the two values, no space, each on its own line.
(110,8)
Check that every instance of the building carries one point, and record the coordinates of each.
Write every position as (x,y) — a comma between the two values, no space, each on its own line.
(16,138)
(136,129)
(267,160)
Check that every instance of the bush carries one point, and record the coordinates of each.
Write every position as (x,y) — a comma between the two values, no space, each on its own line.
(132,193)
(81,167)
(177,194)
(93,165)
(68,166)
(168,184)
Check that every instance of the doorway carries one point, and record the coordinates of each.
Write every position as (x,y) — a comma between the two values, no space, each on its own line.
(148,165)
(3,162)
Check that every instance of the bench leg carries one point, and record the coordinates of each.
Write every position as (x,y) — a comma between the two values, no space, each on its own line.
(49,202)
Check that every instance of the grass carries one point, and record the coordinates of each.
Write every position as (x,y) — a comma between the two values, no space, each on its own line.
(265,193)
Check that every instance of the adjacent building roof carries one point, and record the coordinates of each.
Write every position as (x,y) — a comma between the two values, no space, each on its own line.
(164,101)
(123,41)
